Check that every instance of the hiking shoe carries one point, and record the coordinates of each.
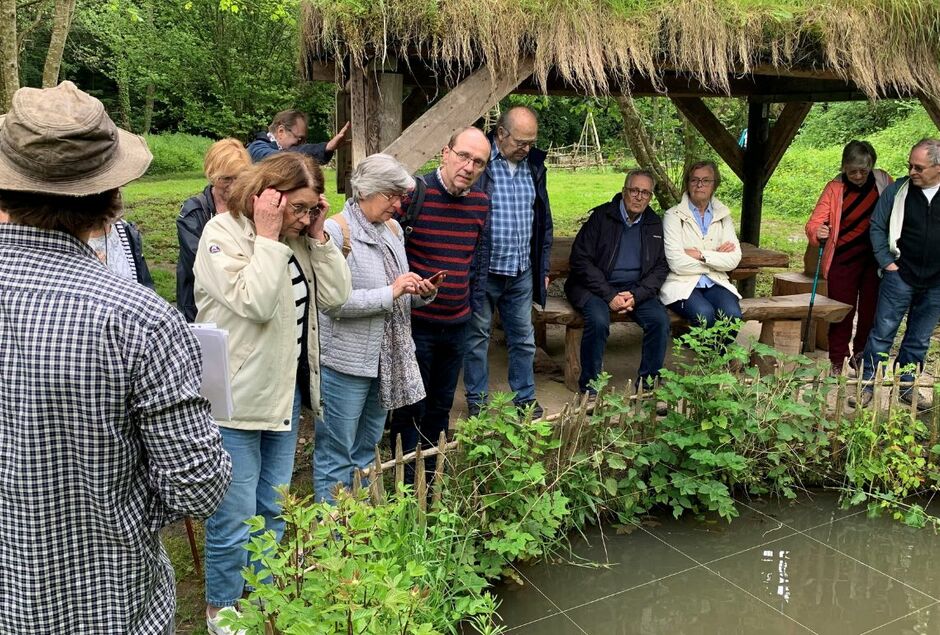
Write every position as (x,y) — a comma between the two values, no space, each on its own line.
(473,409)
(214,624)
(537,411)
(662,408)
(907,397)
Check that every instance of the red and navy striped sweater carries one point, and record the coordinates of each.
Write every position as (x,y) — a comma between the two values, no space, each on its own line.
(444,237)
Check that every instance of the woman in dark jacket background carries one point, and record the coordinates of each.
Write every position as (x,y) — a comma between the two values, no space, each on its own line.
(224,161)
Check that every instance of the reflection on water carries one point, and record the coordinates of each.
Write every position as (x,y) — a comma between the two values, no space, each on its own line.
(782,567)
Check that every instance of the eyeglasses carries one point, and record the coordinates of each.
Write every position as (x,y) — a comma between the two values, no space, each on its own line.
(696,182)
(301,139)
(390,198)
(638,193)
(466,157)
(913,167)
(299,211)
(520,143)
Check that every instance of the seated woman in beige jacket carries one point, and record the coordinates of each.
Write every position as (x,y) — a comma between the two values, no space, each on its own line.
(261,272)
(701,248)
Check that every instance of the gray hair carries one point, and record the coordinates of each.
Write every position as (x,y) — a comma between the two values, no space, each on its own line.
(932,146)
(639,172)
(859,153)
(379,173)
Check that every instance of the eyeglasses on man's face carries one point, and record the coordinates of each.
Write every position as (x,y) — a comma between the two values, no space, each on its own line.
(465,157)
(914,167)
(519,143)
(636,192)
(301,139)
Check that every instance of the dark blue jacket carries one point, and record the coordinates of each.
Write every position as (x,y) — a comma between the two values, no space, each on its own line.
(137,254)
(196,212)
(261,146)
(594,253)
(540,251)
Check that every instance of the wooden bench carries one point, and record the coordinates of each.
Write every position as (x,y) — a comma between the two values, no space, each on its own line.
(781,317)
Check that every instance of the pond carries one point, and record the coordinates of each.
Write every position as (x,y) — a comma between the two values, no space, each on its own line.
(790,567)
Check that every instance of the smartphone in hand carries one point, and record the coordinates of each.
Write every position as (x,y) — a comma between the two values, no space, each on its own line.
(437,278)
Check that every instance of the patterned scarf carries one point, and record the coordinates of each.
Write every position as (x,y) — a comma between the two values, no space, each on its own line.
(400,382)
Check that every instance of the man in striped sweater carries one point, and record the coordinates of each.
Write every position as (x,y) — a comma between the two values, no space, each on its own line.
(446,235)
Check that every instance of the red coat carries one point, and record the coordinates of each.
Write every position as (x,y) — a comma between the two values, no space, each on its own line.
(829,210)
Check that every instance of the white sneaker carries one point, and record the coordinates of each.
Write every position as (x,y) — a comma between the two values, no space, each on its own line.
(214,624)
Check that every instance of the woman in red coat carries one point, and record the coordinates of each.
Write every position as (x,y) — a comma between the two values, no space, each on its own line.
(841,219)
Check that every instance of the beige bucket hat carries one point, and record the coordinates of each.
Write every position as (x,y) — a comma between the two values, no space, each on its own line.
(61,141)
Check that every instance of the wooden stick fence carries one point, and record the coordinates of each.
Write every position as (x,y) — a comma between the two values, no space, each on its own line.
(571,422)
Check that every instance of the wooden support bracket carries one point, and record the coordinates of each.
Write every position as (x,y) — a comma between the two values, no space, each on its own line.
(705,121)
(932,106)
(782,133)
(463,105)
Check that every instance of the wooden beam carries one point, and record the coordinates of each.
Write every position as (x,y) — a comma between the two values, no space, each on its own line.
(343,155)
(781,135)
(714,132)
(463,105)
(320,71)
(932,106)
(364,125)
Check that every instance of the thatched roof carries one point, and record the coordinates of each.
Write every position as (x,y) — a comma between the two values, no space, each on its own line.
(886,47)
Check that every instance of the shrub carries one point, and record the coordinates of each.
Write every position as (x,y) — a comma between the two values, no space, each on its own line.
(176,153)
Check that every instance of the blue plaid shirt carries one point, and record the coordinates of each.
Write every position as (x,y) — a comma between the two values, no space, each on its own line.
(512,200)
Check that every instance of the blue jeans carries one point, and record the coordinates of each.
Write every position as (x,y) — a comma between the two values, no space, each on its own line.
(704,306)
(652,318)
(261,461)
(896,299)
(347,433)
(439,349)
(512,295)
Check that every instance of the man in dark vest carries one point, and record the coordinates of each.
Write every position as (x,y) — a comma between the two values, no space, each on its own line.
(905,232)
(618,263)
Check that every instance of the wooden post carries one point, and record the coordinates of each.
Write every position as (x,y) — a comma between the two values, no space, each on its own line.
(572,357)
(343,153)
(755,157)
(375,111)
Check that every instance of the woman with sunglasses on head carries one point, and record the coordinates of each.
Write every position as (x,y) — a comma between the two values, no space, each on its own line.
(701,248)
(368,357)
(262,271)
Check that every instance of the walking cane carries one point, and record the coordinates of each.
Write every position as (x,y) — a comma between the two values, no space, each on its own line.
(812,295)
(193,547)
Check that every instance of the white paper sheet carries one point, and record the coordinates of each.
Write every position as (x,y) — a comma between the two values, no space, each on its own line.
(215,369)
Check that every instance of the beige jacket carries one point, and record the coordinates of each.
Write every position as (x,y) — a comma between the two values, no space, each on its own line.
(681,231)
(242,284)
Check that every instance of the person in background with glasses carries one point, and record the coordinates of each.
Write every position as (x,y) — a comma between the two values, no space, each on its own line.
(905,232)
(368,356)
(262,271)
(288,131)
(447,236)
(520,246)
(224,161)
(701,248)
(618,264)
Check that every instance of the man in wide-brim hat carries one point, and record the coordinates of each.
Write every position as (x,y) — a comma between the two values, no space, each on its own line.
(103,435)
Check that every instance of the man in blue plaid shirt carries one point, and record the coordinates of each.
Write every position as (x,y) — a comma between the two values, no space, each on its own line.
(104,438)
(520,248)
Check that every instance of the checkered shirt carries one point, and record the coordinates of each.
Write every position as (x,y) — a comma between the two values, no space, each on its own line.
(512,197)
(104,439)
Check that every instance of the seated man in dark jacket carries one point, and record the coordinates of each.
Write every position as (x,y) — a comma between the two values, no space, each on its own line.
(288,131)
(618,263)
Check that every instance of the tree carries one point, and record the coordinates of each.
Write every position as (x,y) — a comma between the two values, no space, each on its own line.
(9,54)
(641,144)
(61,22)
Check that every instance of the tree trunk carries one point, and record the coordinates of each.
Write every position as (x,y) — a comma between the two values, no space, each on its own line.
(123,80)
(640,144)
(9,55)
(148,109)
(61,23)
